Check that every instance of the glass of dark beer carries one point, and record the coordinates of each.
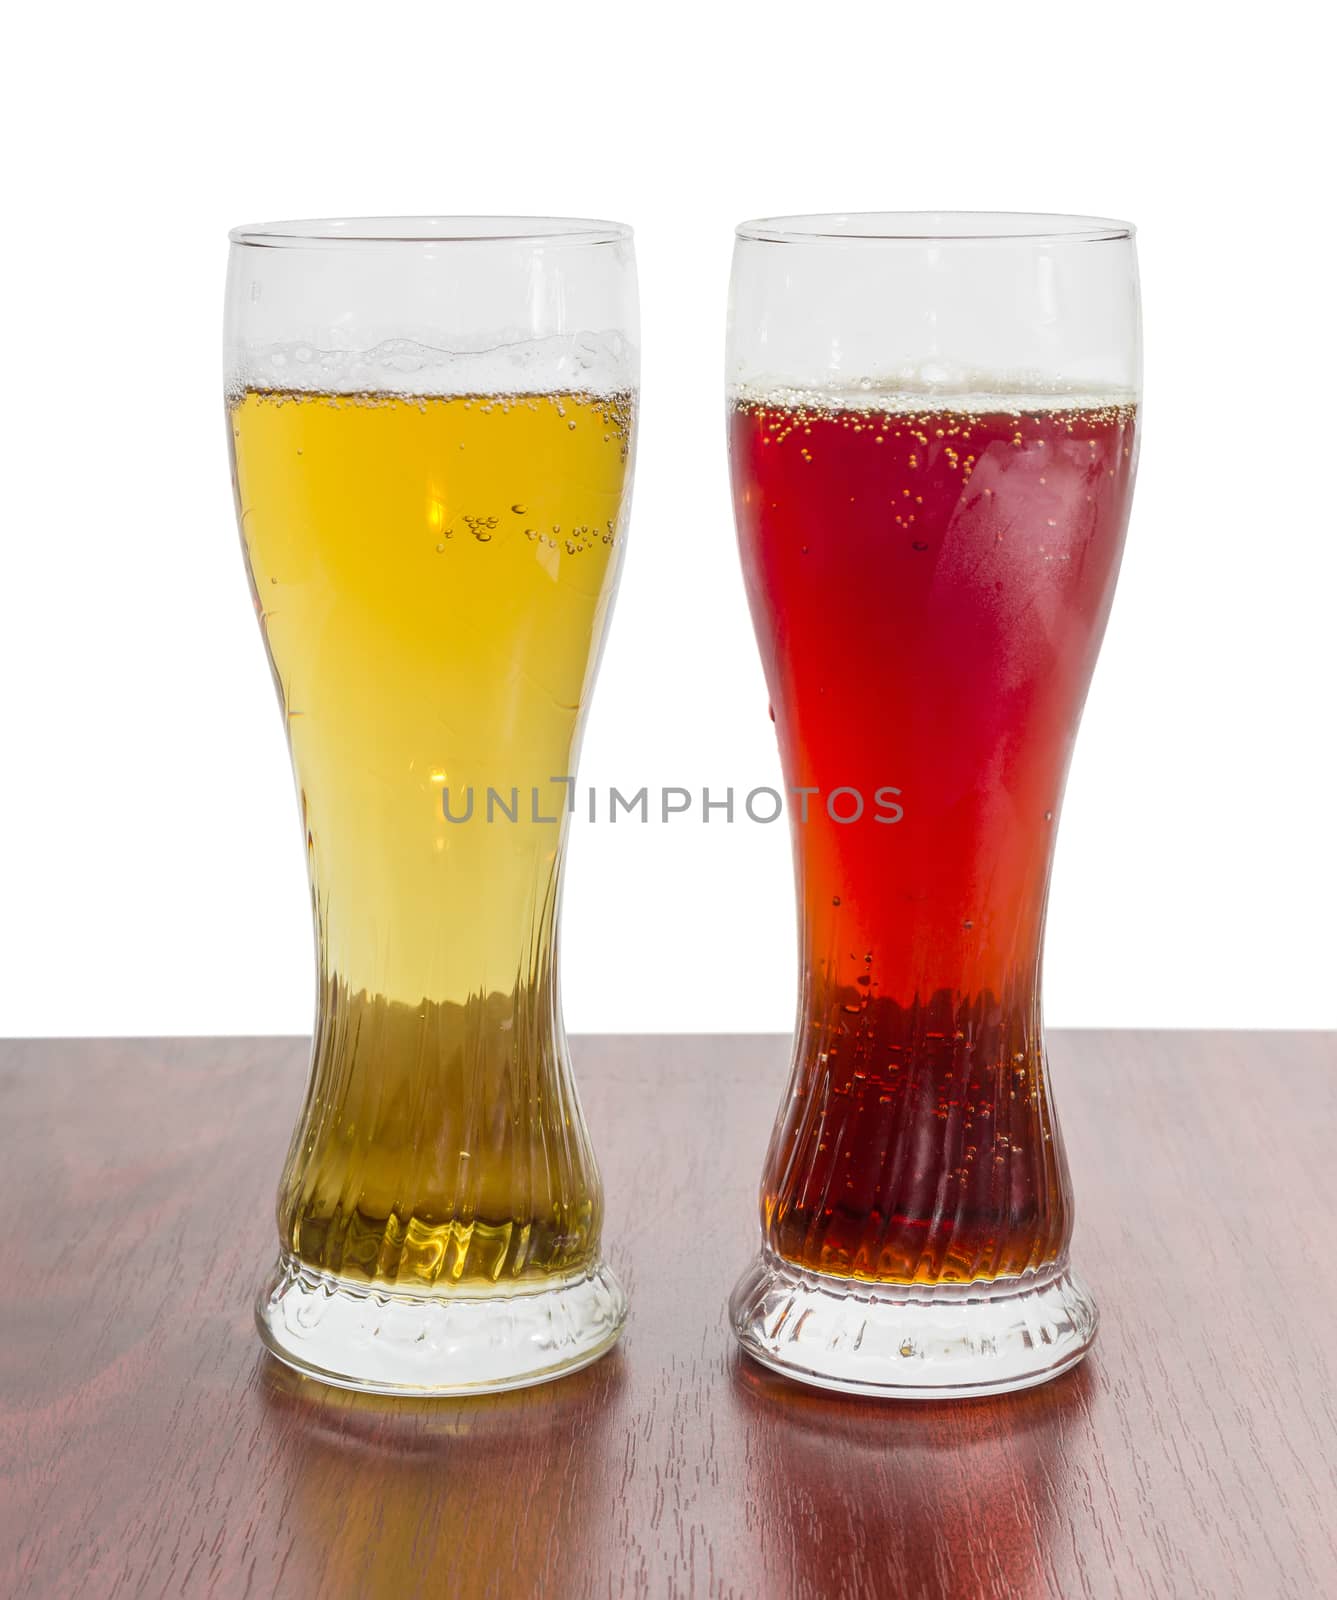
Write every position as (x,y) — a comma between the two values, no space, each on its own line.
(933,439)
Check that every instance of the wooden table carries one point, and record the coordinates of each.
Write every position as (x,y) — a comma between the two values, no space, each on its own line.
(148,1447)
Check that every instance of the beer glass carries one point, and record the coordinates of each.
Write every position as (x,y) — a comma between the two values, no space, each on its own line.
(932,444)
(431,422)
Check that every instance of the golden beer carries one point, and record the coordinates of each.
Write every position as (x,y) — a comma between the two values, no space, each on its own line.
(433,575)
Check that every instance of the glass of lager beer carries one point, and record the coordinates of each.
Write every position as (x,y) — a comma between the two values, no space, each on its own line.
(431,423)
(933,423)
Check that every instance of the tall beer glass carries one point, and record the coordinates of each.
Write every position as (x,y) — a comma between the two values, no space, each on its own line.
(933,426)
(431,423)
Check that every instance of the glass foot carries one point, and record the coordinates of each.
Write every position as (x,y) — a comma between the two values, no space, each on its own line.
(456,1341)
(912,1341)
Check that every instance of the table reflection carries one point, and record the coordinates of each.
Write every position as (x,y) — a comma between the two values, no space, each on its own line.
(377,1495)
(861,1497)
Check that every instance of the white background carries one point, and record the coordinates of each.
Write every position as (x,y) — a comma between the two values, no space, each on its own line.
(152,869)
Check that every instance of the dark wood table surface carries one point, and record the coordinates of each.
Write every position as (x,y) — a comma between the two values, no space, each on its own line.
(148,1447)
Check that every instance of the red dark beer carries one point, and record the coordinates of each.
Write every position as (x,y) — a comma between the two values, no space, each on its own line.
(929,589)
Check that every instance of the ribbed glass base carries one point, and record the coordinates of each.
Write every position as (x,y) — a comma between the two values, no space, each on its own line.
(452,1341)
(912,1341)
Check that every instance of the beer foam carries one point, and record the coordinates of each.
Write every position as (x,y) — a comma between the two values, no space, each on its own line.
(597,364)
(933,389)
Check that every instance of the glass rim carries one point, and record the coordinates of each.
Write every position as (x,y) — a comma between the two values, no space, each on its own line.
(321,233)
(934,227)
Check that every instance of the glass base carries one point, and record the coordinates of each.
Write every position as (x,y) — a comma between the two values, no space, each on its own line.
(455,1341)
(912,1341)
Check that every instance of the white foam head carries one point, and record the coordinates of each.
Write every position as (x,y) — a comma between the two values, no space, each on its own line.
(932,387)
(585,363)
(432,307)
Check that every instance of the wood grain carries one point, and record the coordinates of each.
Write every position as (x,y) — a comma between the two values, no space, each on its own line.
(147,1447)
